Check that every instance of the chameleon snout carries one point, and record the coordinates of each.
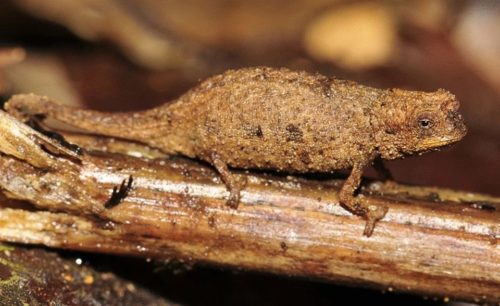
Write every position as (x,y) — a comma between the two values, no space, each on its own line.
(457,124)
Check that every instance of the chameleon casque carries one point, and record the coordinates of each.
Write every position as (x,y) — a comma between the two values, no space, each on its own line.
(295,122)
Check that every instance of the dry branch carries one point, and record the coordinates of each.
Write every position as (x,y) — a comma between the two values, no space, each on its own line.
(432,241)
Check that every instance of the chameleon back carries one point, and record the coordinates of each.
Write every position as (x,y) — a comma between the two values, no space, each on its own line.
(276,119)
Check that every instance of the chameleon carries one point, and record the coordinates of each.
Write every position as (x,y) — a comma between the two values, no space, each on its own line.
(282,120)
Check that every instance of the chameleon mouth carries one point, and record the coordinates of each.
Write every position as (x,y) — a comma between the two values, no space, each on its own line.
(456,132)
(442,141)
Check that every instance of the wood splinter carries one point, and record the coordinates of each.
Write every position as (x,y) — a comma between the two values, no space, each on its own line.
(119,193)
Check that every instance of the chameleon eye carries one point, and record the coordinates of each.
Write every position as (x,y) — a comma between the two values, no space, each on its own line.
(424,123)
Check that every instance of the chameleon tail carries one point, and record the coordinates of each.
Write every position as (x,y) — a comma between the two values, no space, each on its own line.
(133,126)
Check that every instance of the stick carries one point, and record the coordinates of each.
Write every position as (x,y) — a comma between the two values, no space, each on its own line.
(432,241)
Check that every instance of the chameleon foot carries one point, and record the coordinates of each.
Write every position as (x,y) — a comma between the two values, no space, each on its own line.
(234,196)
(233,183)
(373,215)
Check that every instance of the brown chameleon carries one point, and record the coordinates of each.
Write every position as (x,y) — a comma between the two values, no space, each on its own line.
(295,122)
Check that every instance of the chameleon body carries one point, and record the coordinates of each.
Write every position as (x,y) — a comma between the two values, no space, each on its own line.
(296,122)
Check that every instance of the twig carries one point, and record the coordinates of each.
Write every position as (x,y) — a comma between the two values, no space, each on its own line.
(432,241)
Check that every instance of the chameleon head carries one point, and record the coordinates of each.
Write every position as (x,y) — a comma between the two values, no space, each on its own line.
(411,122)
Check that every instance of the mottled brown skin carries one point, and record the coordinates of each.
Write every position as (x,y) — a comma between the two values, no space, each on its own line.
(264,118)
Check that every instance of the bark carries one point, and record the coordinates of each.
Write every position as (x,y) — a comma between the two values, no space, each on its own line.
(433,241)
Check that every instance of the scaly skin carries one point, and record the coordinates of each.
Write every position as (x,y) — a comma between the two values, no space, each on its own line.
(264,118)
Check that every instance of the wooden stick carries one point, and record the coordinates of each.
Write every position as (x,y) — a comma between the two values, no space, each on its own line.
(432,241)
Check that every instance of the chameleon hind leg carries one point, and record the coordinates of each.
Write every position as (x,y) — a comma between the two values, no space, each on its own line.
(358,206)
(233,183)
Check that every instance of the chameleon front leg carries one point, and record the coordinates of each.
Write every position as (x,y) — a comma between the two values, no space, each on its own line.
(232,182)
(358,206)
